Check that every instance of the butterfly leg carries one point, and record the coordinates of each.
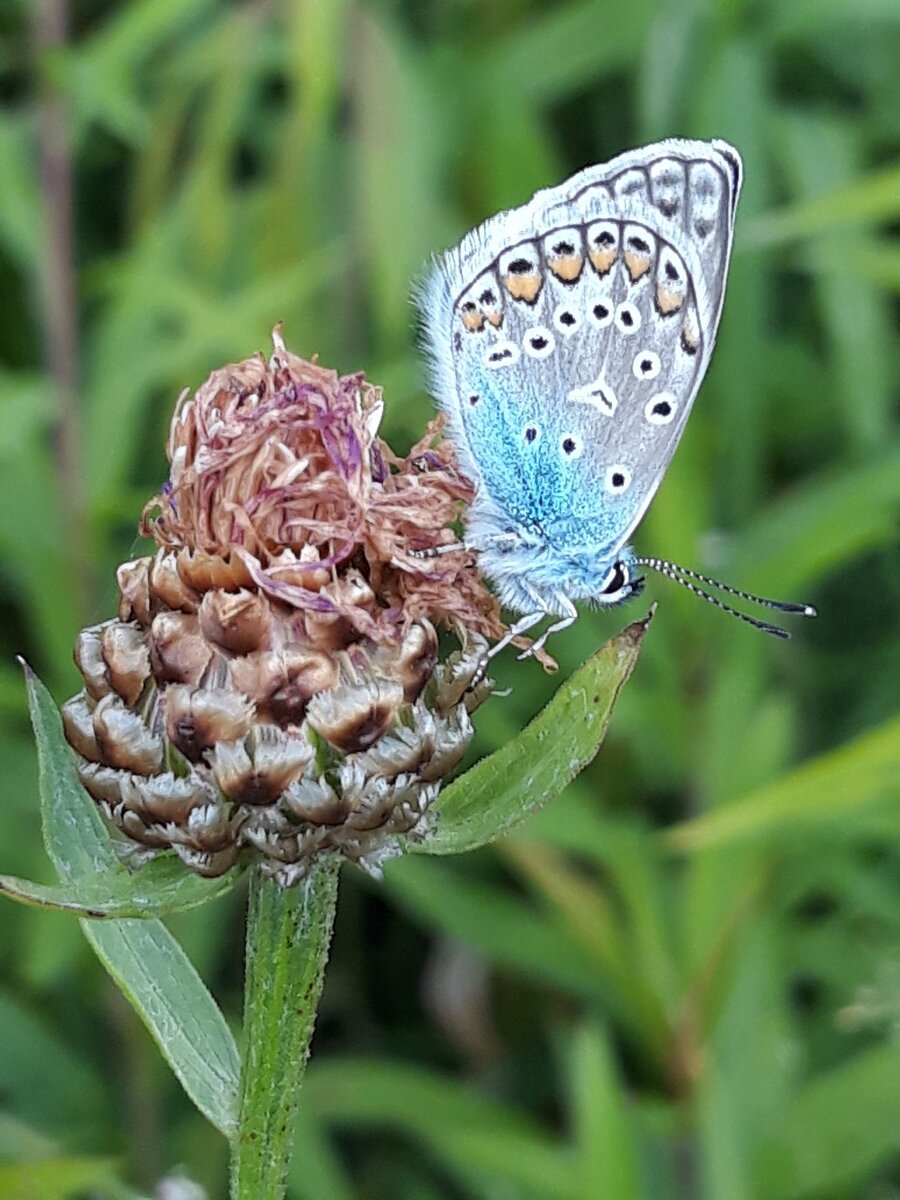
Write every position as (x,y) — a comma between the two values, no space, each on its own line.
(570,613)
(437,551)
(521,626)
(496,540)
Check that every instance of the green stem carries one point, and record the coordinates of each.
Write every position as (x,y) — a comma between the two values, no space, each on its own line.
(288,937)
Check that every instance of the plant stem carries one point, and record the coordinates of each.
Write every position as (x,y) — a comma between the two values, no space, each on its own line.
(288,938)
(59,289)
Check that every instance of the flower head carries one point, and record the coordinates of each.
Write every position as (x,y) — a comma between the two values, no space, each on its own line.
(271,686)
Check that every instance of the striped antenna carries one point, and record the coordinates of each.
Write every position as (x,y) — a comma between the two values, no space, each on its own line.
(684,575)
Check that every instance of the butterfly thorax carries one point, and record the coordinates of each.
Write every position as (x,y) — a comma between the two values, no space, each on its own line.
(529,562)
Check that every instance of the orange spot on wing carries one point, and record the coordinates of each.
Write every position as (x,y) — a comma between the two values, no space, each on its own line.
(567,267)
(602,258)
(523,287)
(667,300)
(638,264)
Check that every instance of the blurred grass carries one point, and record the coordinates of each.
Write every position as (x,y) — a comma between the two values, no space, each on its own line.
(683,978)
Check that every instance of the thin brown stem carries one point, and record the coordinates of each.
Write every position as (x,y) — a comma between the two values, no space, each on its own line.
(59,299)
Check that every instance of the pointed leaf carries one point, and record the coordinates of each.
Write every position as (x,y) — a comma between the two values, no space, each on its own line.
(501,791)
(144,959)
(159,980)
(162,886)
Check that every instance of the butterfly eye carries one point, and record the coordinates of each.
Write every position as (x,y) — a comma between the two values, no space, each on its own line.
(531,434)
(571,445)
(618,479)
(616,580)
(660,409)
(539,342)
(647,365)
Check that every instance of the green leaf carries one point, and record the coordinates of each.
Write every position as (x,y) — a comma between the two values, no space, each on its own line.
(464,1129)
(565,47)
(501,791)
(162,886)
(835,785)
(19,1142)
(20,233)
(515,934)
(44,1079)
(602,927)
(144,959)
(722,1168)
(604,1135)
(155,975)
(318,1168)
(872,199)
(61,1179)
(835,516)
(841,1126)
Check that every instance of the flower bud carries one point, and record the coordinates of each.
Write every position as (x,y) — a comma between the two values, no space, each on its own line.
(272,690)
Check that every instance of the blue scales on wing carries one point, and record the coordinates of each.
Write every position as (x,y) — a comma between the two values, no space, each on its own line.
(568,337)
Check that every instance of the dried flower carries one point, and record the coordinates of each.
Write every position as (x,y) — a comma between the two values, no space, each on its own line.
(271,687)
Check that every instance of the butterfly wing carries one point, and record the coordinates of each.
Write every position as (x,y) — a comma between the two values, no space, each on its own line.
(568,337)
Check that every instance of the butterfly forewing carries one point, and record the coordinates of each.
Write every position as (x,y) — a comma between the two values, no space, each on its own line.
(569,336)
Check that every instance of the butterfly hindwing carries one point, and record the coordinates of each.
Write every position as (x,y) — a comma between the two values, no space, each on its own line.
(568,337)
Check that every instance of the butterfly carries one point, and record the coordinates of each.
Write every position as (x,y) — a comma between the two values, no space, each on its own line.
(567,340)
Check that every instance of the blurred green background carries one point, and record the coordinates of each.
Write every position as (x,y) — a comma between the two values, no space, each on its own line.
(682,980)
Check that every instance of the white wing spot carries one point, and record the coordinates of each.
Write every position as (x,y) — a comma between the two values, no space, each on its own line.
(566,320)
(539,342)
(501,354)
(571,445)
(598,394)
(601,313)
(660,409)
(647,365)
(617,479)
(628,318)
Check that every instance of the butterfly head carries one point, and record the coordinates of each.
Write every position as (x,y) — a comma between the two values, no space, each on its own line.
(621,582)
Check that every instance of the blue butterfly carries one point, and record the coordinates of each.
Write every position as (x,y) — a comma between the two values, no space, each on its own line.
(567,340)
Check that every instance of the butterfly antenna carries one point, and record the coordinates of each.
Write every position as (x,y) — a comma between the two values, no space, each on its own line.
(684,575)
